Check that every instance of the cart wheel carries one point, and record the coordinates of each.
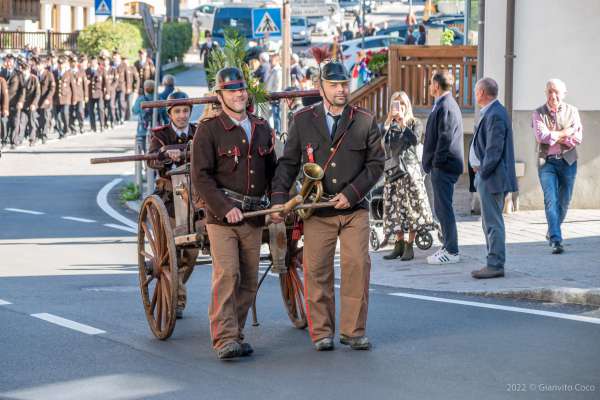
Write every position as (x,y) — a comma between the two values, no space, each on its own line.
(374,240)
(424,240)
(292,287)
(157,264)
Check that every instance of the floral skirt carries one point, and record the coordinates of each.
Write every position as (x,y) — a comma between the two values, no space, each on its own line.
(405,204)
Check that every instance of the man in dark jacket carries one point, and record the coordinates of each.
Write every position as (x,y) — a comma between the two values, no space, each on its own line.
(47,88)
(79,95)
(97,90)
(443,159)
(29,118)
(63,96)
(16,97)
(492,157)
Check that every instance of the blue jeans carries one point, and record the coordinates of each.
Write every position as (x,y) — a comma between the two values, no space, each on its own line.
(557,178)
(443,191)
(275,108)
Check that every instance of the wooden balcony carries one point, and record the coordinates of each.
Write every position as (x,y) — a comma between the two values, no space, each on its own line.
(19,9)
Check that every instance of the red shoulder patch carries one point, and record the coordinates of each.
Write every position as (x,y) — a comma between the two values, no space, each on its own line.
(159,128)
(303,110)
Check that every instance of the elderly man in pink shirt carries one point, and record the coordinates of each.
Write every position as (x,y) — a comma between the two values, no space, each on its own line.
(558,132)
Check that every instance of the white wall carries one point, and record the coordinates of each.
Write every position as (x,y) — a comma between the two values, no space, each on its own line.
(553,39)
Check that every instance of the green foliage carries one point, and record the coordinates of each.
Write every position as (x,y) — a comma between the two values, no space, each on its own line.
(378,62)
(130,192)
(176,40)
(121,36)
(447,37)
(232,55)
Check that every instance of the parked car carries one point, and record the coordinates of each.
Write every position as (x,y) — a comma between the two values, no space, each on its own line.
(350,6)
(373,43)
(300,31)
(206,15)
(238,18)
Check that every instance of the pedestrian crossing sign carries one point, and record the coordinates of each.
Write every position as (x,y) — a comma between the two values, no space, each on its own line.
(103,7)
(266,21)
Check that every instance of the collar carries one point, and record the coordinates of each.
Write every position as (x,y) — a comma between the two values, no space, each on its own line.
(440,98)
(560,108)
(180,132)
(487,107)
(228,123)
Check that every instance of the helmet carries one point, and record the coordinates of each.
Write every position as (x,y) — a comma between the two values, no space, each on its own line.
(334,71)
(177,95)
(230,78)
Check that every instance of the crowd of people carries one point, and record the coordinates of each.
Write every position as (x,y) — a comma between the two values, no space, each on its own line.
(40,94)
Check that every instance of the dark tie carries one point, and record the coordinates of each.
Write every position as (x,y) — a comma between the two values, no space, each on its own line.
(336,120)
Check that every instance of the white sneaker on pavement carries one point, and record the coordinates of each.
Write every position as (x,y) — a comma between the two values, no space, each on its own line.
(441,257)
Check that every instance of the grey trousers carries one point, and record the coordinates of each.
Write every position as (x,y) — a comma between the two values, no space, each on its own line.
(492,222)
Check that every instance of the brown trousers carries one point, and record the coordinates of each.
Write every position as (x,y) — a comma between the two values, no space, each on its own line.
(320,239)
(235,252)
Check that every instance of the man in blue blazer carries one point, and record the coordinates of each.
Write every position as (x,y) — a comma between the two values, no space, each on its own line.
(492,157)
(443,160)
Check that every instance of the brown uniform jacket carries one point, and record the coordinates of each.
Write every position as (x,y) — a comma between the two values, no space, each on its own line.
(223,158)
(164,136)
(131,79)
(120,73)
(32,92)
(97,88)
(110,81)
(78,86)
(144,72)
(63,93)
(3,96)
(47,88)
(353,169)
(16,91)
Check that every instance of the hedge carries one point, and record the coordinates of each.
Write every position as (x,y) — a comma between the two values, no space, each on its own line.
(176,40)
(121,36)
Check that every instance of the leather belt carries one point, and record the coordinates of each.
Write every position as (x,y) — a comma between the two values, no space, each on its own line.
(554,156)
(247,203)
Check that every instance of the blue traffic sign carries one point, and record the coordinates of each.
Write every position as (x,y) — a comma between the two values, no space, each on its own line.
(266,20)
(103,7)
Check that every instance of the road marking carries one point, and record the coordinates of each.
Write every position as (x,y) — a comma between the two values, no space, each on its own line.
(102,201)
(121,227)
(550,314)
(4,302)
(67,323)
(88,221)
(20,210)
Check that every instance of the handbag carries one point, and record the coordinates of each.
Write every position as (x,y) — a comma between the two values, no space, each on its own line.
(394,168)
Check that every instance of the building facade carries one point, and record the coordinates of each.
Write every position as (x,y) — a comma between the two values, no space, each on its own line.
(64,16)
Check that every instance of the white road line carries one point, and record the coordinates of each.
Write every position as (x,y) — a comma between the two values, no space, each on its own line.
(102,200)
(87,221)
(550,314)
(121,227)
(20,210)
(67,323)
(4,302)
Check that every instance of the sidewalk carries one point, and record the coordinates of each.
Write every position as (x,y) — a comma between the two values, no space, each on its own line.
(532,272)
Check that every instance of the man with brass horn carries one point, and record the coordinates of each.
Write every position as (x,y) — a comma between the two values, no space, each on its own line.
(178,132)
(232,166)
(345,141)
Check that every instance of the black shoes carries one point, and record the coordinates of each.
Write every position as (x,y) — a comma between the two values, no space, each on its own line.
(397,252)
(179,313)
(488,273)
(409,252)
(234,350)
(356,343)
(246,349)
(557,248)
(325,344)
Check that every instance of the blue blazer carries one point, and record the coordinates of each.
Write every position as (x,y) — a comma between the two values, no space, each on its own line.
(443,145)
(494,148)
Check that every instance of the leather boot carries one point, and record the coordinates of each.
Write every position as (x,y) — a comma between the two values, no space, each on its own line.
(409,253)
(397,252)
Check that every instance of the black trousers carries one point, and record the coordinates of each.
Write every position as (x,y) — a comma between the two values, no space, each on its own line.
(443,192)
(110,111)
(16,128)
(128,106)
(29,119)
(77,111)
(62,119)
(44,122)
(120,105)
(96,113)
(4,130)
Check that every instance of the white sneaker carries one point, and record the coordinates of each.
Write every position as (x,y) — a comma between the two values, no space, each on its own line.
(443,257)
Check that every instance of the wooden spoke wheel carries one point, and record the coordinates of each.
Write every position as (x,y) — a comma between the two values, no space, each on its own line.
(292,288)
(157,264)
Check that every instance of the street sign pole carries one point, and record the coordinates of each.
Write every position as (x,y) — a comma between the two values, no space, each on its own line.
(286,44)
(150,173)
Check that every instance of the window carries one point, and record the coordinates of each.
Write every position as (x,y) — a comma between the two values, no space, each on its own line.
(297,21)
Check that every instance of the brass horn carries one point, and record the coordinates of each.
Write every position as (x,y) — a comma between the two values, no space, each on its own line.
(312,187)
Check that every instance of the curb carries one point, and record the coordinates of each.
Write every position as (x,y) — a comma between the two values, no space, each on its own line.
(586,297)
(134,205)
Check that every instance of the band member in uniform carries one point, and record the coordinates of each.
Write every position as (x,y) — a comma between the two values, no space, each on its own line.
(130,83)
(3,111)
(145,70)
(110,82)
(63,96)
(47,88)
(97,89)
(178,131)
(120,88)
(79,96)
(345,141)
(16,94)
(29,117)
(232,165)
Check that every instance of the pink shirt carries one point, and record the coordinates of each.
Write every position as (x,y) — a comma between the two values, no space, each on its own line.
(549,134)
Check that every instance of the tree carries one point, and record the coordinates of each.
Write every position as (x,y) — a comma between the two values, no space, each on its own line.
(121,36)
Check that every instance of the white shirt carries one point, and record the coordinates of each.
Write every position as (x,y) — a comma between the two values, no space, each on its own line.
(473,159)
(246,126)
(180,132)
(274,81)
